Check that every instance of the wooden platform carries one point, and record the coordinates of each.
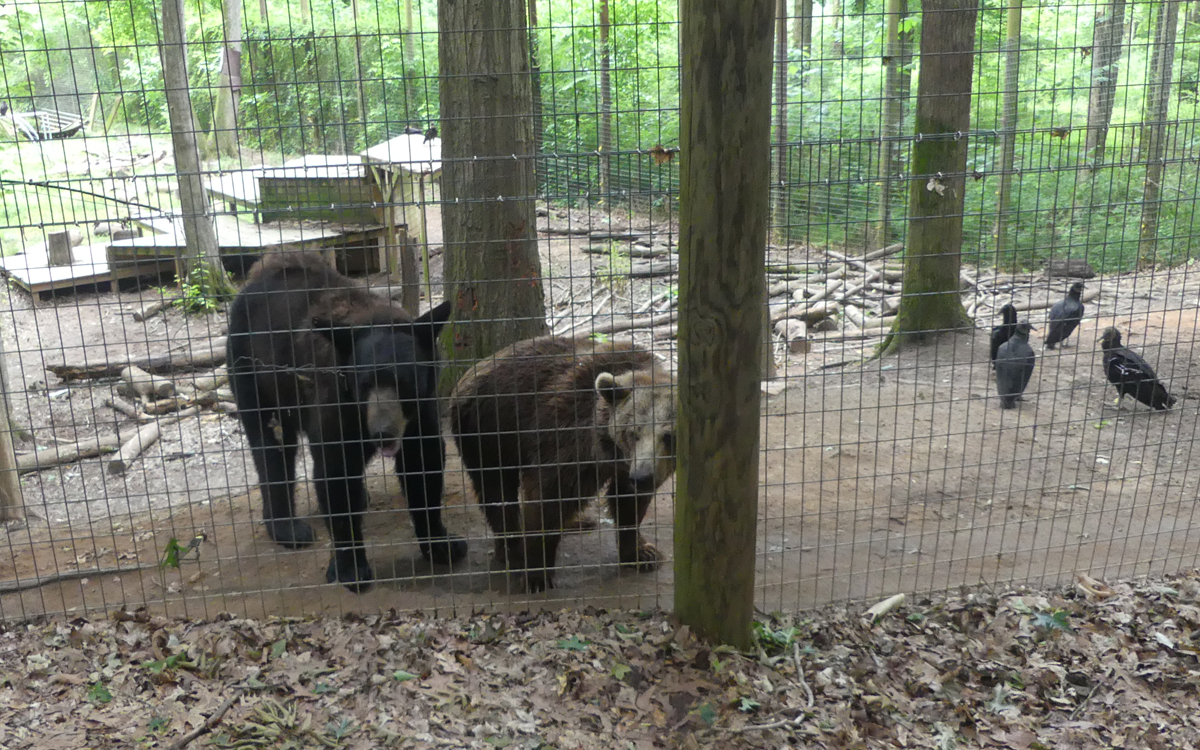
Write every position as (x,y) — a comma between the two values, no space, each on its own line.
(32,270)
(316,187)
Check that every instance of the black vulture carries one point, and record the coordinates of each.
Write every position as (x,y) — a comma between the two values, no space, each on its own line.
(1131,374)
(1014,366)
(1003,332)
(1065,316)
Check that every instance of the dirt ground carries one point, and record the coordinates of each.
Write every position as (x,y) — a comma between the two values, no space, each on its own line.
(895,474)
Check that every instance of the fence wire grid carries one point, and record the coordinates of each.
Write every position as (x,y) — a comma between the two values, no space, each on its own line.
(321,135)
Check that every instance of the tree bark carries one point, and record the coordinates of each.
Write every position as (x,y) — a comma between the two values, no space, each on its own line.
(1106,55)
(229,82)
(1154,128)
(605,129)
(493,269)
(410,35)
(358,77)
(837,47)
(201,262)
(933,254)
(802,30)
(893,118)
(781,121)
(12,504)
(535,80)
(724,213)
(1008,123)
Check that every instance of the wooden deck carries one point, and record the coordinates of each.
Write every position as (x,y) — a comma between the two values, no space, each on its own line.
(315,187)
(31,270)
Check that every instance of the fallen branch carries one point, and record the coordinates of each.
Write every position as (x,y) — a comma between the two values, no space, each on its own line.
(883,252)
(123,406)
(208,724)
(1042,304)
(831,286)
(154,308)
(67,454)
(637,321)
(28,584)
(141,384)
(203,357)
(145,437)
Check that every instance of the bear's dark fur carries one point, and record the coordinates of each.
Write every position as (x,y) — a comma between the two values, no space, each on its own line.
(561,419)
(311,351)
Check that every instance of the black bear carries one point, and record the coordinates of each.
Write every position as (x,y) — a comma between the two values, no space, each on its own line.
(311,351)
(559,419)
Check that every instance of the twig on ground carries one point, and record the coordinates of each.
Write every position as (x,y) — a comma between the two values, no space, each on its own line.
(209,723)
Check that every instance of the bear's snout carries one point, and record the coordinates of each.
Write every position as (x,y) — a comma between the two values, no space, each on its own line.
(643,477)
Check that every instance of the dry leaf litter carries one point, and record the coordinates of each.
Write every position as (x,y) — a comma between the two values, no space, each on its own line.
(1080,667)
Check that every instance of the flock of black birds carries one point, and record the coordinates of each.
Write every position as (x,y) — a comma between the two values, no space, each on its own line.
(1013,358)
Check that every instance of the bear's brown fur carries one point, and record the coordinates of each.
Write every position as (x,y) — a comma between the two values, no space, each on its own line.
(561,419)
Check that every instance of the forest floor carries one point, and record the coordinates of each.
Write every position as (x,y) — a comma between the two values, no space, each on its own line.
(878,475)
(1083,666)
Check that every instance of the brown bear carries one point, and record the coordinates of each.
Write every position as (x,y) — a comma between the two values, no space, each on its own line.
(561,419)
(311,351)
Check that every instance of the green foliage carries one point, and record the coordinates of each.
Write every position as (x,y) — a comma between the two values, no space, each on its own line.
(772,640)
(98,693)
(199,297)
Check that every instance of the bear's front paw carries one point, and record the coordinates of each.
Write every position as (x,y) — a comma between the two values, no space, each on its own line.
(645,557)
(444,551)
(351,569)
(290,532)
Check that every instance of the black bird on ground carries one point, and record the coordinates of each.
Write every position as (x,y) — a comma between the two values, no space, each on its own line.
(1065,316)
(1014,366)
(1131,374)
(1003,332)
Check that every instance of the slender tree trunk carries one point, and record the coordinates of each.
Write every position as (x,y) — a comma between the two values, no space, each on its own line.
(802,26)
(410,36)
(12,504)
(229,83)
(1154,128)
(837,48)
(358,75)
(1106,55)
(893,119)
(907,40)
(723,215)
(606,143)
(493,269)
(931,302)
(1008,123)
(535,76)
(781,120)
(201,261)
(262,10)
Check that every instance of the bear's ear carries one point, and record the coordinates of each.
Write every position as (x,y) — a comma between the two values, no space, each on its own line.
(613,389)
(428,327)
(341,336)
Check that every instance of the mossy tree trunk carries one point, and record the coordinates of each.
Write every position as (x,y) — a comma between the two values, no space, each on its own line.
(931,301)
(893,118)
(201,261)
(1154,128)
(493,270)
(1008,123)
(723,214)
(605,129)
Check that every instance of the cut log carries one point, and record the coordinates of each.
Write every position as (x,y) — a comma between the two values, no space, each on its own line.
(203,356)
(831,286)
(819,311)
(67,454)
(890,305)
(210,382)
(141,384)
(122,406)
(145,437)
(637,321)
(1076,268)
(1042,304)
(883,252)
(657,267)
(795,333)
(855,316)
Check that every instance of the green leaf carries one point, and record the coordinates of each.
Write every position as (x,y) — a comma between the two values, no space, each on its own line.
(159,723)
(99,694)
(574,644)
(340,729)
(748,705)
(706,714)
(323,688)
(278,648)
(620,670)
(402,676)
(1055,621)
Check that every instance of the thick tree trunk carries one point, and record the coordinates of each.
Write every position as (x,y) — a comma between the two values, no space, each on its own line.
(229,82)
(933,253)
(12,504)
(201,263)
(893,118)
(493,270)
(1008,123)
(1106,56)
(606,144)
(1154,127)
(724,211)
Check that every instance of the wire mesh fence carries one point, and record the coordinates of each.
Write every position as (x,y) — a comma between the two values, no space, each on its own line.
(320,133)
